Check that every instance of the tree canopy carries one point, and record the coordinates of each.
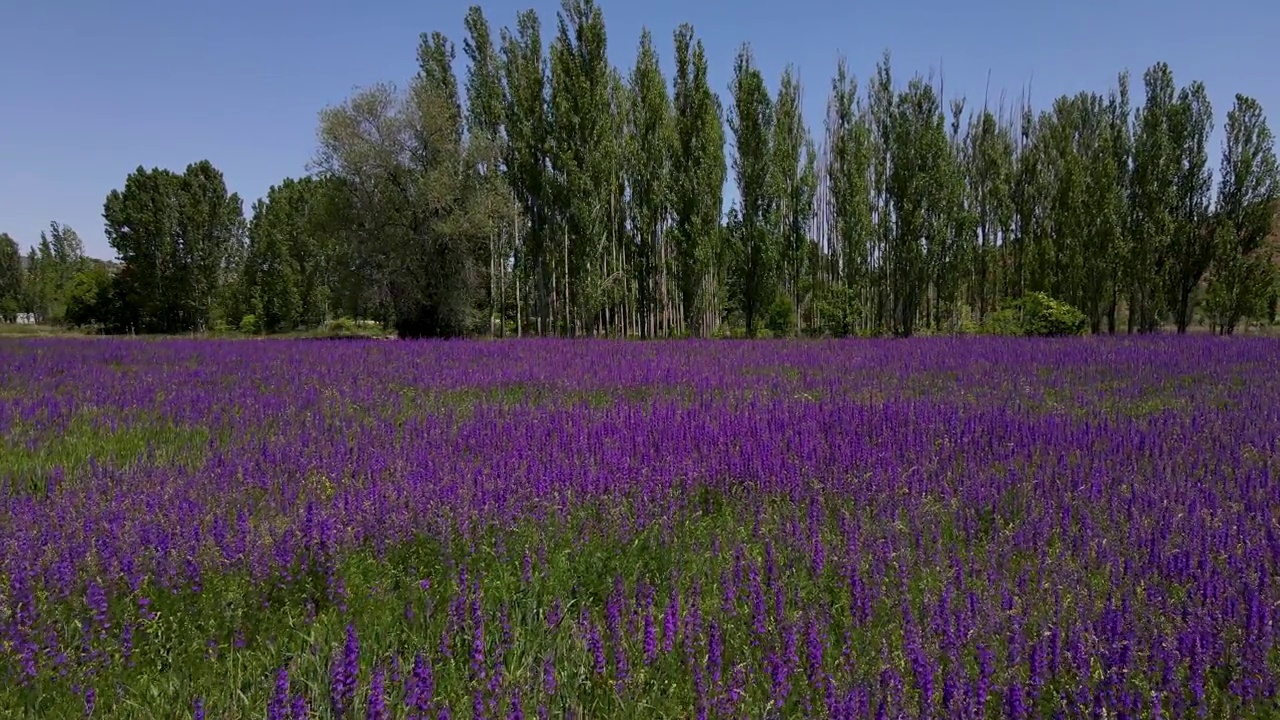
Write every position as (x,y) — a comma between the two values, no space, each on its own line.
(548,192)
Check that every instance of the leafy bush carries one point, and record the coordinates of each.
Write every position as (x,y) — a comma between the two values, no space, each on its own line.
(1036,314)
(780,317)
(1005,321)
(249,324)
(1046,317)
(839,311)
(343,325)
(346,327)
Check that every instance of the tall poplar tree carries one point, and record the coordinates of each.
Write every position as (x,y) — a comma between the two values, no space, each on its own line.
(288,274)
(528,147)
(1191,245)
(648,178)
(754,258)
(484,123)
(697,177)
(848,179)
(990,154)
(581,157)
(1243,274)
(1156,160)
(793,181)
(916,192)
(12,278)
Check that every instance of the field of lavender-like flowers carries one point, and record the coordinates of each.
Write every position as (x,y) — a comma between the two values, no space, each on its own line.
(945,528)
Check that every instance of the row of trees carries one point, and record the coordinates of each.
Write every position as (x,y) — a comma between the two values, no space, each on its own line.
(54,282)
(552,193)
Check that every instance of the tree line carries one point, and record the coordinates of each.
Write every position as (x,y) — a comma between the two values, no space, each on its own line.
(548,192)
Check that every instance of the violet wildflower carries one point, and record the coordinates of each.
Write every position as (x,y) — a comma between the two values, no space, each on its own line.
(715,652)
(343,675)
(279,706)
(549,676)
(421,689)
(650,631)
(670,621)
(517,710)
(377,706)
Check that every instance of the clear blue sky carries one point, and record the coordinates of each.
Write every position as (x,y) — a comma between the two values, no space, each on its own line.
(90,90)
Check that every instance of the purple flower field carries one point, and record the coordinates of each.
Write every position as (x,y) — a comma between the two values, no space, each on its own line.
(933,528)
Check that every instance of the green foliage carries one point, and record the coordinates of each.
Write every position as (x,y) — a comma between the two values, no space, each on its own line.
(649,173)
(1005,321)
(1243,274)
(181,239)
(250,324)
(754,254)
(1037,314)
(1156,163)
(1191,248)
(583,154)
(12,279)
(51,266)
(288,265)
(780,317)
(916,187)
(417,211)
(795,181)
(840,310)
(848,201)
(346,327)
(89,296)
(697,177)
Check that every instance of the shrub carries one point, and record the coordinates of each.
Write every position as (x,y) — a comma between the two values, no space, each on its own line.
(1036,314)
(345,327)
(839,311)
(1046,317)
(341,326)
(249,324)
(780,316)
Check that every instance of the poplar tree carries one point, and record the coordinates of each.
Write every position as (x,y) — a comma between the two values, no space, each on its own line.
(581,157)
(484,123)
(1155,168)
(288,277)
(1243,274)
(12,285)
(181,240)
(528,147)
(848,179)
(916,193)
(793,184)
(754,257)
(648,130)
(990,171)
(1191,246)
(697,177)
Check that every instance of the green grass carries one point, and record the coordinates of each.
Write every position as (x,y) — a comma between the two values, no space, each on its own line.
(34,331)
(29,458)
